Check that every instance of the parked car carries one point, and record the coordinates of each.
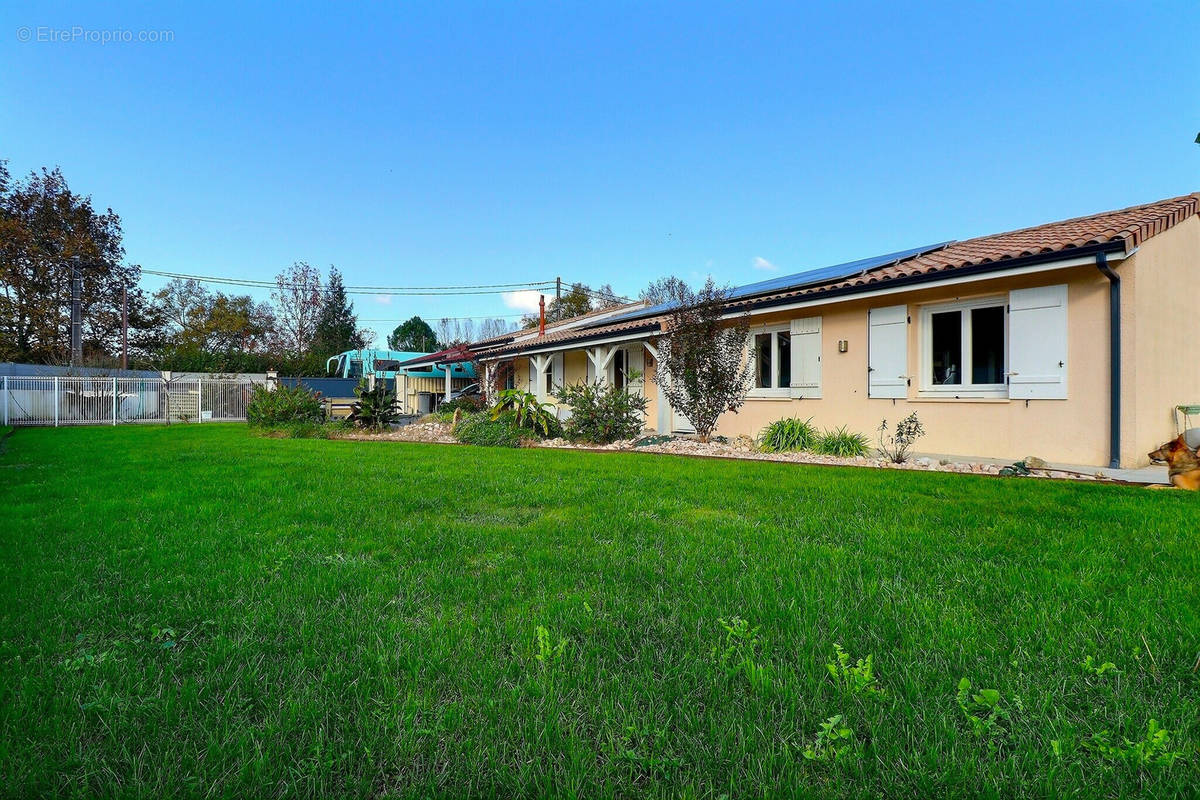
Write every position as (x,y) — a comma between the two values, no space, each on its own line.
(471,390)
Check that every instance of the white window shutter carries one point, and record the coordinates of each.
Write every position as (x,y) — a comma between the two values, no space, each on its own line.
(635,356)
(557,371)
(806,357)
(530,377)
(591,369)
(1037,343)
(887,357)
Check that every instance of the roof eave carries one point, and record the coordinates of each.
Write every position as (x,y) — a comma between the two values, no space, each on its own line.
(536,345)
(983,268)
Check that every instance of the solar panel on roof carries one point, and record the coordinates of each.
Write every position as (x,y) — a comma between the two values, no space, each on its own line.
(797,280)
(832,273)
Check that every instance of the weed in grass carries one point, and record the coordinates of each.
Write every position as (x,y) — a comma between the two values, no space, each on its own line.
(1153,749)
(738,653)
(1092,668)
(647,750)
(546,653)
(832,742)
(987,717)
(857,678)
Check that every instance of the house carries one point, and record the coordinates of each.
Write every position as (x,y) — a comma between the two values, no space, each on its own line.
(1073,341)
(416,375)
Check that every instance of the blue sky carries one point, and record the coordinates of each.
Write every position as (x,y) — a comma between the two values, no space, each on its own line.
(443,143)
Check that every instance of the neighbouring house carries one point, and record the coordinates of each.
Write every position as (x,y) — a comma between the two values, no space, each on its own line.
(1073,341)
(419,377)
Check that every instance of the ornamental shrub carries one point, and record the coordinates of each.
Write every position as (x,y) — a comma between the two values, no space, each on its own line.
(375,408)
(528,413)
(602,414)
(283,404)
(842,443)
(789,434)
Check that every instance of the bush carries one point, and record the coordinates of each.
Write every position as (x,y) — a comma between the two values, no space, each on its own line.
(284,404)
(483,430)
(842,443)
(375,408)
(469,403)
(895,446)
(789,434)
(602,414)
(528,412)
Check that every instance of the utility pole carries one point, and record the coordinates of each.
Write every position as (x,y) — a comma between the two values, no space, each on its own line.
(124,327)
(76,313)
(558,289)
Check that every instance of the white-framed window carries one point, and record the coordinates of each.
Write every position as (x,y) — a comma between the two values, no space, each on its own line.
(771,360)
(964,348)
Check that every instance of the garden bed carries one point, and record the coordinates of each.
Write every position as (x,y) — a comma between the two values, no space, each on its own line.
(742,447)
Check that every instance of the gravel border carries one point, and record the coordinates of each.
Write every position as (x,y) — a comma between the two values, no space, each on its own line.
(743,447)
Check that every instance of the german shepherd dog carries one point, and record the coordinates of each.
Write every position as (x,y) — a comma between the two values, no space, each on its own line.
(1183,465)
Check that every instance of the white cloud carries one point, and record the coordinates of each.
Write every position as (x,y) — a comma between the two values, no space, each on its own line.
(383,299)
(764,265)
(525,300)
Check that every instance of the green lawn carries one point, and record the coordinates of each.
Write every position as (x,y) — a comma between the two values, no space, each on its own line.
(193,610)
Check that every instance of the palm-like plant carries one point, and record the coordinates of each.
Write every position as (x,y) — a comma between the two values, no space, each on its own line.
(527,410)
(376,406)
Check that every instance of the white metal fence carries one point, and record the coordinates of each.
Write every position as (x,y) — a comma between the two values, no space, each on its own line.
(108,401)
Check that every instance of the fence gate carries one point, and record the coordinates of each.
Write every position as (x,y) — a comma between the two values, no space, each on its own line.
(108,401)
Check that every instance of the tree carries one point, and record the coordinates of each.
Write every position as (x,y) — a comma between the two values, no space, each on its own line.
(336,327)
(703,370)
(453,331)
(665,290)
(194,319)
(414,335)
(43,227)
(605,297)
(576,301)
(298,304)
(490,328)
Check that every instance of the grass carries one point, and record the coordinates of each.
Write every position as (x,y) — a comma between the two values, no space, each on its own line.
(193,610)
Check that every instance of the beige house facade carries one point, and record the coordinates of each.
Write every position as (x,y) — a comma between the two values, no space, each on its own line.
(1073,341)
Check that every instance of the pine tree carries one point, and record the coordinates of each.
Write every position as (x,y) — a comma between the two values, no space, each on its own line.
(337,325)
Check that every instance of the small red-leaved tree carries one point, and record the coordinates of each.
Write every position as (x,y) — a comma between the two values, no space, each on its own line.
(703,370)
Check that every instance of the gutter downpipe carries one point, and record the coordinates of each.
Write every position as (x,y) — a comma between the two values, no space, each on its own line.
(1114,357)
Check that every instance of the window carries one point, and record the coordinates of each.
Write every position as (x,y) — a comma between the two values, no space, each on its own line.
(965,348)
(620,369)
(356,368)
(772,354)
(510,377)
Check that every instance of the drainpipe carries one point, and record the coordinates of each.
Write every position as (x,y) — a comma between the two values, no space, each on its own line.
(1114,357)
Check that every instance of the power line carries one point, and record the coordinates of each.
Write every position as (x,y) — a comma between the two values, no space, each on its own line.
(438,319)
(403,291)
(427,291)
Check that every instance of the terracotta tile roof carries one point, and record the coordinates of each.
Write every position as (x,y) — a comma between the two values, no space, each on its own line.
(1128,226)
(573,334)
(451,355)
